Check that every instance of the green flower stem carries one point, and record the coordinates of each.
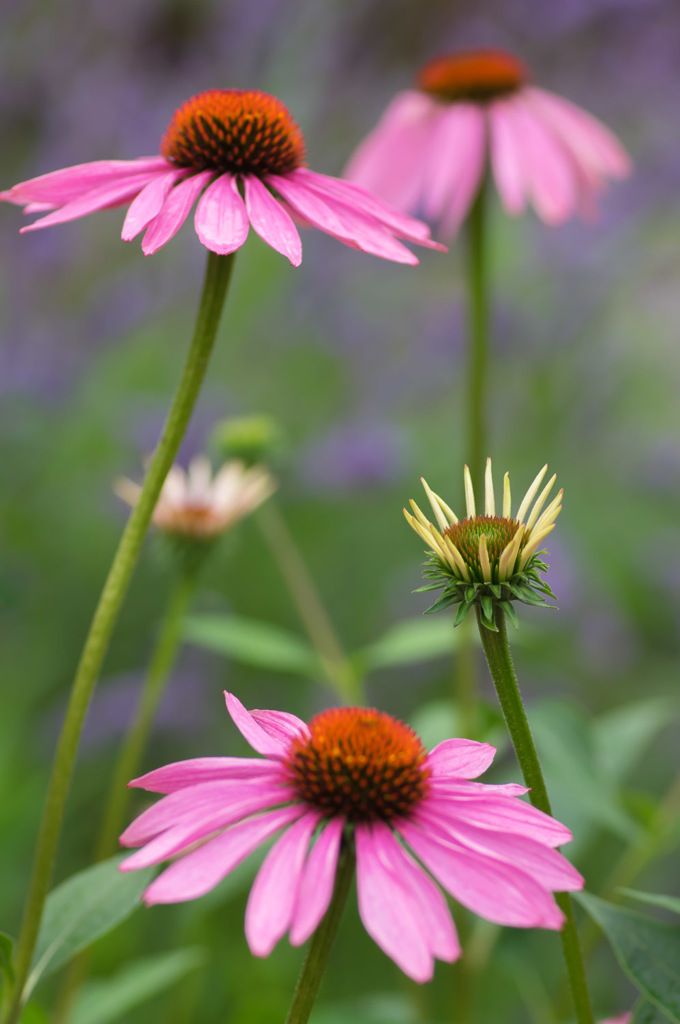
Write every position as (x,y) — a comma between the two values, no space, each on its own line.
(336,665)
(498,656)
(217,276)
(478,333)
(321,943)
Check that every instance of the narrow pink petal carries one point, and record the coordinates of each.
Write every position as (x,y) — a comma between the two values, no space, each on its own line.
(260,739)
(428,901)
(272,223)
(100,198)
(463,758)
(506,157)
(501,815)
(460,789)
(221,219)
(198,872)
(317,882)
(390,160)
(357,196)
(387,911)
(470,174)
(32,207)
(281,725)
(545,865)
(194,806)
(455,159)
(174,212)
(499,892)
(274,894)
(354,228)
(149,203)
(181,774)
(60,187)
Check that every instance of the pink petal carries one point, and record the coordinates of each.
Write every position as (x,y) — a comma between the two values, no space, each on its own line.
(506,157)
(101,198)
(317,882)
(462,758)
(354,228)
(272,223)
(274,894)
(390,160)
(499,892)
(387,910)
(60,187)
(221,219)
(198,872)
(281,725)
(428,901)
(455,162)
(149,203)
(260,739)
(501,815)
(453,787)
(174,212)
(181,774)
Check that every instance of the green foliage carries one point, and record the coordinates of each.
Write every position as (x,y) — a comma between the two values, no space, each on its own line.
(259,644)
(6,968)
(409,641)
(671,903)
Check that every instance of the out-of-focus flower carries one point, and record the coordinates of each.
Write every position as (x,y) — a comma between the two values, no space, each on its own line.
(252,439)
(431,148)
(354,775)
(243,154)
(487,560)
(195,506)
(623,1018)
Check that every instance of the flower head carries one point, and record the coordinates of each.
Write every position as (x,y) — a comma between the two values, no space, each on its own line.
(243,155)
(487,560)
(431,148)
(197,507)
(354,775)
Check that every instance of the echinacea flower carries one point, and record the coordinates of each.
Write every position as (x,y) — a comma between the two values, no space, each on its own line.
(353,775)
(623,1018)
(431,149)
(195,506)
(243,155)
(487,560)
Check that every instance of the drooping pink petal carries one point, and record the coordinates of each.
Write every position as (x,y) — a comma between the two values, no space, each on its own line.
(501,815)
(174,212)
(453,788)
(259,738)
(548,867)
(389,162)
(180,774)
(506,157)
(358,230)
(455,163)
(60,187)
(282,725)
(499,892)
(272,223)
(466,759)
(387,911)
(198,872)
(317,882)
(274,894)
(193,806)
(102,197)
(221,218)
(149,202)
(427,898)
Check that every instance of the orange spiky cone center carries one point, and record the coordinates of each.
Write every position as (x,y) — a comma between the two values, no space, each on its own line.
(467,533)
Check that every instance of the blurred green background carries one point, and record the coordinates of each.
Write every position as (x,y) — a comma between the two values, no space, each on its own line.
(362,364)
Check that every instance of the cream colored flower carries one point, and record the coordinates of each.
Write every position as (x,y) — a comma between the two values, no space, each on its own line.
(197,506)
(488,559)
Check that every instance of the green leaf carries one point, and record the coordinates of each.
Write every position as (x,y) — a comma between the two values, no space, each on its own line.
(647,950)
(83,908)
(645,1013)
(106,999)
(6,968)
(253,643)
(654,899)
(410,641)
(622,735)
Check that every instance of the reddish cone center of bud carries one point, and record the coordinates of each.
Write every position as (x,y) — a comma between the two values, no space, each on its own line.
(467,533)
(234,130)
(477,76)
(190,520)
(361,763)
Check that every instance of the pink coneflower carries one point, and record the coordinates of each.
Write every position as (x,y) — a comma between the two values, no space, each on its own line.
(431,147)
(244,156)
(354,775)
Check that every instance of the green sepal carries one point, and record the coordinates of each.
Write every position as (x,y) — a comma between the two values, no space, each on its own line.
(496,590)
(507,607)
(470,593)
(445,601)
(487,605)
(462,613)
(427,587)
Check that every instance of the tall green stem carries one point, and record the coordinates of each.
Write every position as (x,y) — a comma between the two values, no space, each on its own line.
(217,276)
(335,663)
(321,943)
(500,664)
(478,333)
